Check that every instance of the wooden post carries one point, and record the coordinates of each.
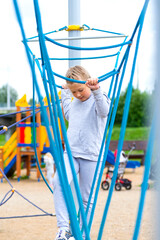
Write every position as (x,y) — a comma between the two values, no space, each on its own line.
(38,121)
(1,161)
(18,162)
(28,160)
(47,141)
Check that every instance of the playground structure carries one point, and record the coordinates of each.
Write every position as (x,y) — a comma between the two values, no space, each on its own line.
(55,113)
(21,143)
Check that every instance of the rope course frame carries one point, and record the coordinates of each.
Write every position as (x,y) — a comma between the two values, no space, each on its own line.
(50,86)
(12,191)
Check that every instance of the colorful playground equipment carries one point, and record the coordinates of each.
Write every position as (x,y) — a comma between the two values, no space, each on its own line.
(21,143)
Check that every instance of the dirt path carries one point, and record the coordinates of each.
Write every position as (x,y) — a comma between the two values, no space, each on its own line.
(120,220)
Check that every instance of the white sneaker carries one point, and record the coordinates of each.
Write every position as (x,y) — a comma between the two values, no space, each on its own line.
(64,234)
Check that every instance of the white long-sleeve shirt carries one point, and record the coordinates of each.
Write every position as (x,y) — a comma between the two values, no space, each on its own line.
(87,122)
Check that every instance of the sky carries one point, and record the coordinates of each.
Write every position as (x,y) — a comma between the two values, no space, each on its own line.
(112,15)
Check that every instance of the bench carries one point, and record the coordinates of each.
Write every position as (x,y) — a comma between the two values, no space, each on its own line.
(127,145)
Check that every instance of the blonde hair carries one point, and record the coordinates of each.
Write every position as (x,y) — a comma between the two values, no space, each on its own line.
(78,73)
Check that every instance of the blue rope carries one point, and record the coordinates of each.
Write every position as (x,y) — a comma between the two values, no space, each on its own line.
(12,125)
(39,67)
(116,63)
(13,113)
(3,200)
(88,49)
(111,86)
(96,29)
(83,58)
(54,31)
(108,75)
(148,154)
(34,137)
(87,27)
(25,216)
(6,178)
(101,78)
(144,185)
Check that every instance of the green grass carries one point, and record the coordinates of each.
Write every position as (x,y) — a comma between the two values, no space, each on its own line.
(139,133)
(135,134)
(2,140)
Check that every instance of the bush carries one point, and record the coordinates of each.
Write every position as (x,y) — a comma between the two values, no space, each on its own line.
(139,111)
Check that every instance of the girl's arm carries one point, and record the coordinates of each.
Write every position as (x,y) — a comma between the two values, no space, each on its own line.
(101,100)
(66,102)
(102,103)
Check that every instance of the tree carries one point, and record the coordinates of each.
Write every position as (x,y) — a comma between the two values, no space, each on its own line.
(3,95)
(139,111)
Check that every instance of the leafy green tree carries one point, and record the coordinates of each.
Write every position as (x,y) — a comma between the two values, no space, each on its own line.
(120,108)
(139,111)
(3,95)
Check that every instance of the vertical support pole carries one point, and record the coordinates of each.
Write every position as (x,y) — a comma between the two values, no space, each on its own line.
(47,140)
(1,162)
(74,19)
(38,120)
(28,160)
(18,162)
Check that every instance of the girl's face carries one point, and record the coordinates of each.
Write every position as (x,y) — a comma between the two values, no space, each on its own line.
(80,91)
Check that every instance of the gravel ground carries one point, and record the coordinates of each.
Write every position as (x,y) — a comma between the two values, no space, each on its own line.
(120,220)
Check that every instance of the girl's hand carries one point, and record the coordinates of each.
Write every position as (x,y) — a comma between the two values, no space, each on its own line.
(92,83)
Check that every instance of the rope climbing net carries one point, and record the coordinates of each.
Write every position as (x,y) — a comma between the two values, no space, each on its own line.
(11,192)
(55,113)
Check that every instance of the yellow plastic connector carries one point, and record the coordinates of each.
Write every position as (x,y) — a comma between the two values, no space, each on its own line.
(74,28)
(13,189)
(5,128)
